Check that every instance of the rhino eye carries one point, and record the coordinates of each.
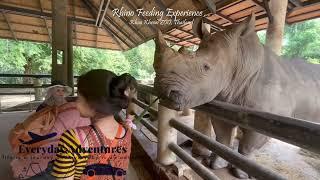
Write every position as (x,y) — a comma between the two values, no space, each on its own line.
(206,67)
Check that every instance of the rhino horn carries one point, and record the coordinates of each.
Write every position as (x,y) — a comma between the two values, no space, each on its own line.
(161,53)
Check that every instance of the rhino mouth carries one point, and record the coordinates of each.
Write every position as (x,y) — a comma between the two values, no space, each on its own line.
(174,100)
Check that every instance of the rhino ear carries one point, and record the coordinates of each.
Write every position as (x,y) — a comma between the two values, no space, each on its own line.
(200,29)
(184,51)
(247,26)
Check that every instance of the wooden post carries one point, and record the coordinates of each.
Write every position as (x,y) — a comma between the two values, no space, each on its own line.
(70,56)
(186,112)
(202,123)
(59,41)
(37,90)
(278,9)
(0,106)
(151,99)
(166,135)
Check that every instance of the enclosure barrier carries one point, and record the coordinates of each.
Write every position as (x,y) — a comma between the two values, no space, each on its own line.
(294,131)
(302,133)
(226,153)
(37,85)
(298,132)
(143,105)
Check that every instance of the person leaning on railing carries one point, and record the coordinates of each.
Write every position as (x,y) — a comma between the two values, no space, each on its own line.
(101,150)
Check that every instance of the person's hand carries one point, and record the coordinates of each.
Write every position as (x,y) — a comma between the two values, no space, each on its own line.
(129,121)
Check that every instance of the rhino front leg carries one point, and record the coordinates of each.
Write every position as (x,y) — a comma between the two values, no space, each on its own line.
(249,142)
(202,124)
(224,135)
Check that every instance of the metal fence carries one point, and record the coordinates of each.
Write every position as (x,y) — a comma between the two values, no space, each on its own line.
(32,89)
(294,131)
(298,132)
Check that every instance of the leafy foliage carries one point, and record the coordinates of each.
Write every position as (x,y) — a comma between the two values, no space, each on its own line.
(303,40)
(300,40)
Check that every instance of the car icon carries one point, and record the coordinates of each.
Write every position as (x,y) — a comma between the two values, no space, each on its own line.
(103,169)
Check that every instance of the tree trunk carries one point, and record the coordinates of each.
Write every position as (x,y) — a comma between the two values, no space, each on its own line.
(27,70)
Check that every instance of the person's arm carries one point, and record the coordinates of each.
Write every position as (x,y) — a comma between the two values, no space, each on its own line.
(65,162)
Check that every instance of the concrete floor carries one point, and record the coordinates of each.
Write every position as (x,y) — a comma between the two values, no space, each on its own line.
(7,122)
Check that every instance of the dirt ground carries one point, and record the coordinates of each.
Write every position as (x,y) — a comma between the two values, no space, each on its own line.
(288,160)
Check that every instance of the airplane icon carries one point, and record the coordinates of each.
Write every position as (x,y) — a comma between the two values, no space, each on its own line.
(37,138)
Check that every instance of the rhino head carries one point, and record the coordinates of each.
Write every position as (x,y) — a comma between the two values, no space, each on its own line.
(184,80)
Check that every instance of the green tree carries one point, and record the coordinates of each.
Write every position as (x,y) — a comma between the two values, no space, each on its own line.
(25,57)
(141,59)
(303,40)
(300,40)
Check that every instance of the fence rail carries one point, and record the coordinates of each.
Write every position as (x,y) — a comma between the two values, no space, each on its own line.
(36,86)
(226,153)
(299,132)
(23,86)
(304,134)
(29,75)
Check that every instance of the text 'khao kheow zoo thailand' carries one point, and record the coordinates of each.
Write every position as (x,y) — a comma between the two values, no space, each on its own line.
(160,89)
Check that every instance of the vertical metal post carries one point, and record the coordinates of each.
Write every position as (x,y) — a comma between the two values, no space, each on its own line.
(59,41)
(166,135)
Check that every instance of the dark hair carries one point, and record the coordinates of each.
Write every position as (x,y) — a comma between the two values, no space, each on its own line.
(105,91)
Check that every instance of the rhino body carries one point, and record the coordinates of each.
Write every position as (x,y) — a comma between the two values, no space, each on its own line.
(234,67)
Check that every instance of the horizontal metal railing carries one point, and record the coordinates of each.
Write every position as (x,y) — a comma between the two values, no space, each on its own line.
(23,86)
(143,105)
(35,76)
(204,172)
(16,93)
(302,133)
(227,153)
(29,75)
(37,85)
(150,127)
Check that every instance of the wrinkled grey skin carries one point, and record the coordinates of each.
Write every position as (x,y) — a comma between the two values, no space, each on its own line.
(233,66)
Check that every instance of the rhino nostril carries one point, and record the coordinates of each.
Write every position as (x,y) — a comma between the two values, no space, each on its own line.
(174,94)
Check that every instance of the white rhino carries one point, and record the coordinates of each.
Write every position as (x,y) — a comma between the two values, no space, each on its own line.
(234,67)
